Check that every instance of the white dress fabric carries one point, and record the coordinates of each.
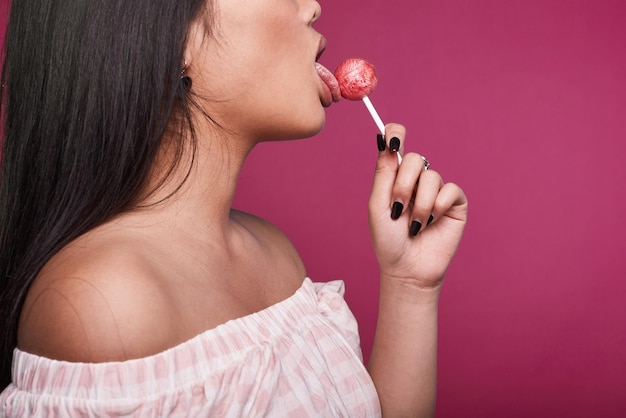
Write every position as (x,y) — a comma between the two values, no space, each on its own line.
(298,358)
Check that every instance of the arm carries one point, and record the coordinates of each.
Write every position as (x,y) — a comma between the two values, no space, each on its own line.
(403,363)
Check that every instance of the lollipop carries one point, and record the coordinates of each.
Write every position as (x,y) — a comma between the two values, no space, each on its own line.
(357,79)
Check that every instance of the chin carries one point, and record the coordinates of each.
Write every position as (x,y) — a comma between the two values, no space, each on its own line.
(313,129)
(300,129)
(303,120)
(293,134)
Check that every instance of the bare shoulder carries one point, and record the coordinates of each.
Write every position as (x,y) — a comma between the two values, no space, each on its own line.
(114,297)
(272,238)
(95,303)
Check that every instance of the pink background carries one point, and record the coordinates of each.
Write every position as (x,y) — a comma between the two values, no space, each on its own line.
(524,105)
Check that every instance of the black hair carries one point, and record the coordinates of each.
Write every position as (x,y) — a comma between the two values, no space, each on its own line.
(89,91)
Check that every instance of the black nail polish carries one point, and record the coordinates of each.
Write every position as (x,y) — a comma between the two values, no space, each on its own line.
(430,219)
(415,228)
(380,139)
(396,210)
(394,144)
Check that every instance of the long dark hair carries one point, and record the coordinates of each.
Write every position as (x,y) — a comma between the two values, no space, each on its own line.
(89,90)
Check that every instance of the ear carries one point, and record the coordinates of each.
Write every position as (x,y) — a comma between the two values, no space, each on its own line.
(195,39)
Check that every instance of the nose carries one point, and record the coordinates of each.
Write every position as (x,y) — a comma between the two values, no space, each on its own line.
(316,11)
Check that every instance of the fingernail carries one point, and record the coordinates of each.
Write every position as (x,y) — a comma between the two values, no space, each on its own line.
(394,144)
(415,228)
(430,219)
(380,139)
(396,210)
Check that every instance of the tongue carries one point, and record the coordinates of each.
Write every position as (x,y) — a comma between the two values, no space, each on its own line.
(329,79)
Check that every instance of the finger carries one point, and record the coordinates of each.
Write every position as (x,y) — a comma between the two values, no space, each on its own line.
(407,177)
(386,170)
(395,134)
(394,137)
(428,189)
(449,197)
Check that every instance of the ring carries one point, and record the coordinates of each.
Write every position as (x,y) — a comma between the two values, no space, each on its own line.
(426,163)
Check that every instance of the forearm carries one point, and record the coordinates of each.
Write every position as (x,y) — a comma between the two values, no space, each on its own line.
(403,363)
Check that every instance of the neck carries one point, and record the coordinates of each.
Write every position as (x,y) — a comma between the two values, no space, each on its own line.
(197,200)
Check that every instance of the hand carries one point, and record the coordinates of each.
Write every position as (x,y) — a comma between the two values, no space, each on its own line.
(402,201)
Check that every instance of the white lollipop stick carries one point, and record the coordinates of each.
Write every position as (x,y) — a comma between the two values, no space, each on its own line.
(377,120)
(374,113)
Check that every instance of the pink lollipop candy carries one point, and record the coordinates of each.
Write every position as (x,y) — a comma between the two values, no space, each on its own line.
(357,80)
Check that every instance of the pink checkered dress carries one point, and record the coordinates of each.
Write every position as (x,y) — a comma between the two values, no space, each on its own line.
(298,358)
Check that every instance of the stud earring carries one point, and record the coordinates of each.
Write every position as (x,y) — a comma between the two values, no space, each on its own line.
(185,79)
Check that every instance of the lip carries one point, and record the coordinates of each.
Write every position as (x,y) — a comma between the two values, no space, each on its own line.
(321,48)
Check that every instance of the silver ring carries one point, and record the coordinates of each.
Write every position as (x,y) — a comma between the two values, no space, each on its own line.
(426,163)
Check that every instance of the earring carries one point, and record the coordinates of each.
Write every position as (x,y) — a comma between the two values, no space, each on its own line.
(185,79)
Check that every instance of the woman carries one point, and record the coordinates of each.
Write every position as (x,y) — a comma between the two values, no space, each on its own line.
(130,285)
